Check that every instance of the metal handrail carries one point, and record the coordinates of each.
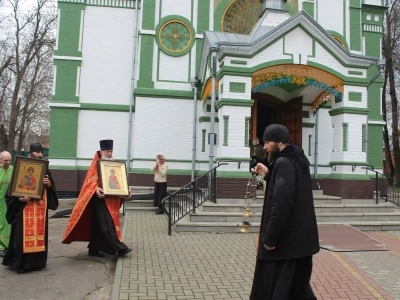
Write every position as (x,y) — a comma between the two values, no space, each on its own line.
(386,187)
(180,203)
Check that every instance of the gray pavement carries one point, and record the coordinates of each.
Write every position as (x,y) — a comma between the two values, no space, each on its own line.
(184,265)
(70,274)
(190,266)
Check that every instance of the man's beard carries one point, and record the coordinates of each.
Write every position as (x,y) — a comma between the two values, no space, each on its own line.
(273,153)
(103,157)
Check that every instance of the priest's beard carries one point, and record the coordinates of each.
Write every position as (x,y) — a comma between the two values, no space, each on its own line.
(106,158)
(273,153)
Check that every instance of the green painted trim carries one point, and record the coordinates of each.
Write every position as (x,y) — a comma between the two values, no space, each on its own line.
(175,94)
(309,144)
(308,125)
(226,130)
(148,10)
(170,171)
(181,20)
(355,96)
(238,62)
(348,163)
(363,137)
(375,145)
(65,91)
(64,123)
(146,60)
(345,132)
(234,159)
(203,140)
(346,176)
(233,174)
(348,110)
(69,29)
(246,131)
(308,7)
(355,25)
(234,71)
(221,64)
(203,16)
(340,36)
(355,73)
(105,107)
(234,102)
(237,87)
(204,119)
(219,14)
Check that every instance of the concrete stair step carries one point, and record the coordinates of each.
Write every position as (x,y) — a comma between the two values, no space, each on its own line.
(344,217)
(200,216)
(235,227)
(336,208)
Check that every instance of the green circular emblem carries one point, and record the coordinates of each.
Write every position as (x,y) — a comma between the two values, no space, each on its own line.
(175,37)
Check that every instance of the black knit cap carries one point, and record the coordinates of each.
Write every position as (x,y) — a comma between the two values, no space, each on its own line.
(35,147)
(106,145)
(276,133)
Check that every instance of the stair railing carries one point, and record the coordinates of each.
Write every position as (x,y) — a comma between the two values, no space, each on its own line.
(180,203)
(386,188)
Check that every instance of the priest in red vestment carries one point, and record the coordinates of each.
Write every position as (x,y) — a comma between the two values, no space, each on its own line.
(28,246)
(95,217)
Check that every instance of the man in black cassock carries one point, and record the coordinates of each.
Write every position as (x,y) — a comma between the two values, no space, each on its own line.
(22,256)
(288,234)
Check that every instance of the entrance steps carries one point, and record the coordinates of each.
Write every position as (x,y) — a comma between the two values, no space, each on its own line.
(227,214)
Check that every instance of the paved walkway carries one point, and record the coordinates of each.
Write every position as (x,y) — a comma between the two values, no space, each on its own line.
(220,266)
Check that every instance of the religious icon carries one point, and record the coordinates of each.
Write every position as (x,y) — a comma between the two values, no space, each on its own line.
(112,178)
(27,177)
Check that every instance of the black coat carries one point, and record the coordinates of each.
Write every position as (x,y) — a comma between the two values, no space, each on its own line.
(288,219)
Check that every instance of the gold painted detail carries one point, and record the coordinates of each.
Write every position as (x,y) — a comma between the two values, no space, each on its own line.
(322,99)
(241,16)
(339,40)
(207,89)
(301,76)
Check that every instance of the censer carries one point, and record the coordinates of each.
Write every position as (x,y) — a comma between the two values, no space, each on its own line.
(249,198)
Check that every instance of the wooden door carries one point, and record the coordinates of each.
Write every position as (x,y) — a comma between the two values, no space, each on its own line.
(292,118)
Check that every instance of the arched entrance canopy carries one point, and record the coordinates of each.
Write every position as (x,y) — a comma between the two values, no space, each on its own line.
(300,75)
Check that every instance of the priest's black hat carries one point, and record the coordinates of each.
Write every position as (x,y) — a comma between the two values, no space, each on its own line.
(276,133)
(35,147)
(106,145)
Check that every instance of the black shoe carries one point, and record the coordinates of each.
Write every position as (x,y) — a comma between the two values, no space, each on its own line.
(3,253)
(124,251)
(159,212)
(22,271)
(95,253)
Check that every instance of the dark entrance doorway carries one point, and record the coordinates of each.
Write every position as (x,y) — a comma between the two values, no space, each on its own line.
(271,111)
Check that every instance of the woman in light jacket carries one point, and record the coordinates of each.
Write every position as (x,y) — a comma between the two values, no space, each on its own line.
(160,182)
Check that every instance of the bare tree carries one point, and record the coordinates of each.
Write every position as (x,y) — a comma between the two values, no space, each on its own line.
(390,50)
(30,43)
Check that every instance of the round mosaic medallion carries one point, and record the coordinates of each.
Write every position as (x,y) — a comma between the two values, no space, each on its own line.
(241,16)
(175,36)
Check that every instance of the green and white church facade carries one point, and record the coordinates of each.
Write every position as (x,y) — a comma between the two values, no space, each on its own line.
(168,76)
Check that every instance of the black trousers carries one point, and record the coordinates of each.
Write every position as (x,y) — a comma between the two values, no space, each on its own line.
(160,192)
(283,280)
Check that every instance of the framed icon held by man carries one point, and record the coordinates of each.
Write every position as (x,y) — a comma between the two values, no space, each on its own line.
(112,178)
(27,177)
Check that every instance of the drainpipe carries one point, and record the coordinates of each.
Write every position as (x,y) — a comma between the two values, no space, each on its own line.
(194,82)
(316,144)
(380,64)
(214,49)
(131,99)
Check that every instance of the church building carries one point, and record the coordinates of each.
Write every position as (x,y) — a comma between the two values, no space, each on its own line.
(197,80)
